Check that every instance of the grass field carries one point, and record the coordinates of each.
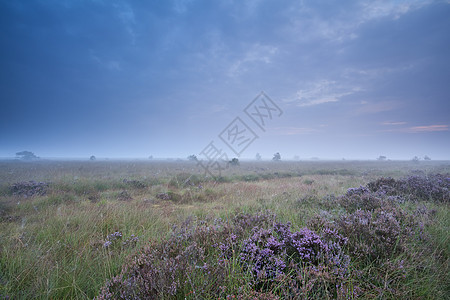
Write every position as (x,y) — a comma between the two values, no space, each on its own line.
(162,230)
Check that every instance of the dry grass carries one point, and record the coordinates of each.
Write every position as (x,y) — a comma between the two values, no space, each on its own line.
(51,246)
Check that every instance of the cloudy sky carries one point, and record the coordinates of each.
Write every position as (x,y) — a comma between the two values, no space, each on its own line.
(116,78)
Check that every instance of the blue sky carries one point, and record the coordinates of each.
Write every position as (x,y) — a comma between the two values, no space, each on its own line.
(111,78)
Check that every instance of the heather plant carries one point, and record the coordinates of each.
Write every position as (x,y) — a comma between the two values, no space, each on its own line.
(378,234)
(281,260)
(201,255)
(29,188)
(174,267)
(360,198)
(137,184)
(115,240)
(124,196)
(417,187)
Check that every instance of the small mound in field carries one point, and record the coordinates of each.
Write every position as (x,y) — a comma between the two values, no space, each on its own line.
(169,196)
(29,188)
(124,196)
(137,184)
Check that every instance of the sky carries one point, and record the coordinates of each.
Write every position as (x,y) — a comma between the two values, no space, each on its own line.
(130,79)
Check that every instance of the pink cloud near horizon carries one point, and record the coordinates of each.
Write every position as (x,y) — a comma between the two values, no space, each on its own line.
(420,129)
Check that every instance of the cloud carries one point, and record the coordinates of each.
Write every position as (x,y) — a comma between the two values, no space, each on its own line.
(315,21)
(112,65)
(420,129)
(429,128)
(394,9)
(393,123)
(181,6)
(291,130)
(376,107)
(257,53)
(376,72)
(126,15)
(322,91)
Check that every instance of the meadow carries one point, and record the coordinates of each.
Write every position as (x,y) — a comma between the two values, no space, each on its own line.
(263,230)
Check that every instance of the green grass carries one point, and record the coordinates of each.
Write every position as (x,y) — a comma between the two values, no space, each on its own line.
(51,247)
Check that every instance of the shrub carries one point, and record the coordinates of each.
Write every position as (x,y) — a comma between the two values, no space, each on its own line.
(137,184)
(29,188)
(276,253)
(435,187)
(378,234)
(360,198)
(124,196)
(172,268)
(169,196)
(202,255)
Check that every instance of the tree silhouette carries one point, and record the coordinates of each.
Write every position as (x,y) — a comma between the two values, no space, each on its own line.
(234,162)
(192,158)
(276,156)
(26,155)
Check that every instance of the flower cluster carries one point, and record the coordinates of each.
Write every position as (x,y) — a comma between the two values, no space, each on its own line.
(273,253)
(264,255)
(112,240)
(361,198)
(434,187)
(375,235)
(167,269)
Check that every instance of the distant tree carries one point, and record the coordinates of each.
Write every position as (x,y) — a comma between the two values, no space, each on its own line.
(258,156)
(150,157)
(426,157)
(92,157)
(381,158)
(276,156)
(234,162)
(192,158)
(26,155)
(415,159)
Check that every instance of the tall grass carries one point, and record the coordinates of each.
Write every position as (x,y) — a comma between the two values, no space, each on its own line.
(53,246)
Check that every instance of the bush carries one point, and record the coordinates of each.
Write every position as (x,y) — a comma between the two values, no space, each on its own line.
(203,256)
(172,268)
(275,254)
(29,188)
(435,187)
